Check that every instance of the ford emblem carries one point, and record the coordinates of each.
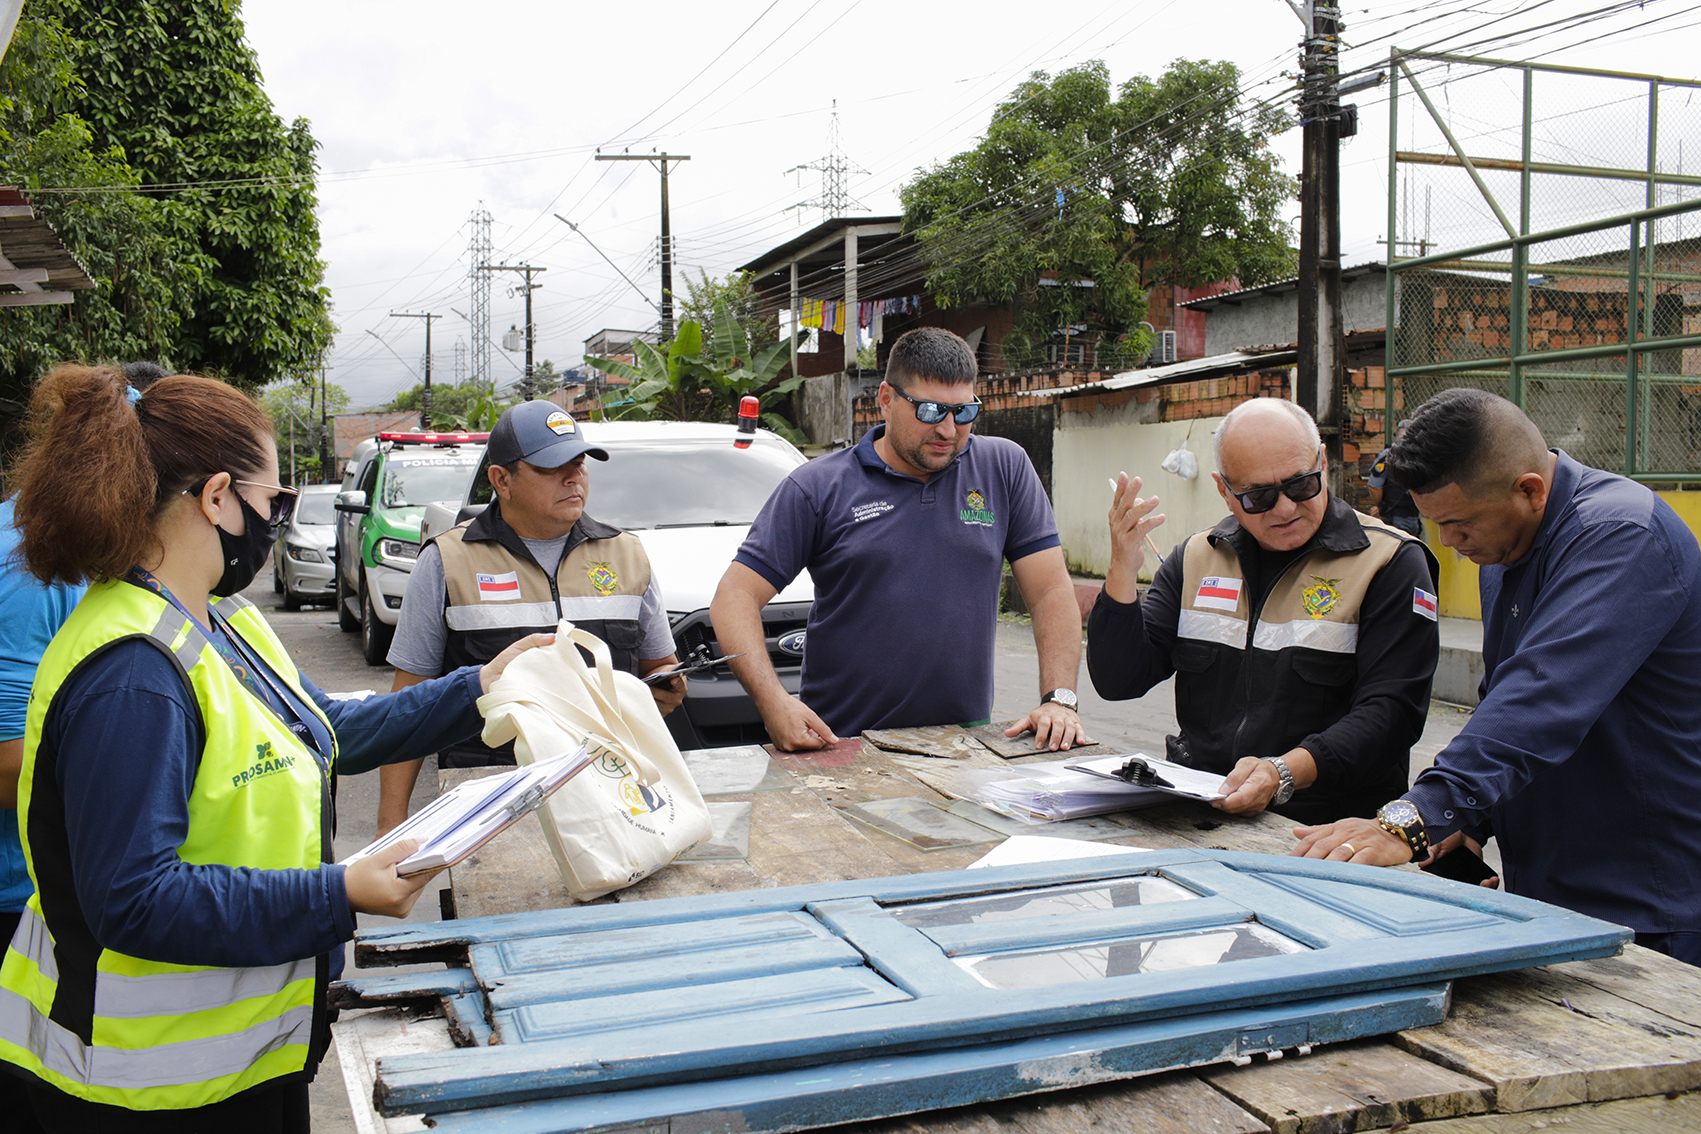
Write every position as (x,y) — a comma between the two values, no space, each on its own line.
(791,643)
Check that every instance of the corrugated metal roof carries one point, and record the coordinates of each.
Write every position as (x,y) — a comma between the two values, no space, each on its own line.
(1205,303)
(1176,372)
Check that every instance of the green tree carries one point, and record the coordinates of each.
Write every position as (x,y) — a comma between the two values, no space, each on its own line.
(737,293)
(1078,200)
(697,379)
(469,405)
(173,86)
(296,411)
(144,277)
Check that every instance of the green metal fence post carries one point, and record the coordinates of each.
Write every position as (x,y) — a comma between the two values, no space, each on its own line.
(1632,301)
(1518,316)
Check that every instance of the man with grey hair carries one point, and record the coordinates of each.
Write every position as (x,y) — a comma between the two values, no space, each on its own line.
(905,537)
(1303,635)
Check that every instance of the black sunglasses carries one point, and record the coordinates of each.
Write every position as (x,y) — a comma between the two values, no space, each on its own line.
(932,413)
(1262,497)
(283,504)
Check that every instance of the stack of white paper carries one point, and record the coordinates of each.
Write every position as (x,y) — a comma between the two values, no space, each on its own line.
(463,819)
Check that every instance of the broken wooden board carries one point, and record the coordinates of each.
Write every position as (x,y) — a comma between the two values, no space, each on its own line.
(1543,1038)
(948,742)
(1658,1115)
(1014,747)
(363,1038)
(1366,1085)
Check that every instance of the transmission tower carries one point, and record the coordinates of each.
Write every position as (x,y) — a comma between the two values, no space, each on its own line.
(835,200)
(460,361)
(478,282)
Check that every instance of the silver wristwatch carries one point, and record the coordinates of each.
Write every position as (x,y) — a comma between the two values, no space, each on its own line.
(1064,697)
(1284,790)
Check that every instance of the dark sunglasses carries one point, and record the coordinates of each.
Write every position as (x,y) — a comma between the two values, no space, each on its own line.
(283,504)
(932,413)
(1262,497)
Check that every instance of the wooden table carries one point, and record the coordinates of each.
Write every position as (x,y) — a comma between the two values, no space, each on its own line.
(1609,1045)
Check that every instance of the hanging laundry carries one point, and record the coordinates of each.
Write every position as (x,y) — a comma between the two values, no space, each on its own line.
(838,318)
(865,314)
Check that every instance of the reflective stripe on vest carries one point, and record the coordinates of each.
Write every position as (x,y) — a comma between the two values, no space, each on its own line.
(170,1036)
(180,1064)
(1330,637)
(574,608)
(1203,626)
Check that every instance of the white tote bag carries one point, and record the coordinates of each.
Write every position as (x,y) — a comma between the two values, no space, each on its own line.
(636,808)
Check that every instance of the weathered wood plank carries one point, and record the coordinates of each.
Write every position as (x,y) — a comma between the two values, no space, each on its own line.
(1645,977)
(363,1038)
(1176,1103)
(1544,1038)
(1356,1086)
(1658,1115)
(1015,747)
(947,742)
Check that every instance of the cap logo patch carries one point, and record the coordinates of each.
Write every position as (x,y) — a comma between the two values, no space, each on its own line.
(603,578)
(561,423)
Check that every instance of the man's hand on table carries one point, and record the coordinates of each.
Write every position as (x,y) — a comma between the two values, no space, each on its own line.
(1054,726)
(794,727)
(1364,841)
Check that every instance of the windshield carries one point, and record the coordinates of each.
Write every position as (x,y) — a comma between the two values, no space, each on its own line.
(417,481)
(316,508)
(680,484)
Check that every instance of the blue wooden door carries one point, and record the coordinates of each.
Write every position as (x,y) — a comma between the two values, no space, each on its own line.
(821,1004)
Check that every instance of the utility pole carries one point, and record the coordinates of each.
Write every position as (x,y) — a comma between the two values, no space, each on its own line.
(666,234)
(326,456)
(1321,362)
(527,270)
(425,398)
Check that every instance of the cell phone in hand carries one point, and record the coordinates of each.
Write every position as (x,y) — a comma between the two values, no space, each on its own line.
(1461,866)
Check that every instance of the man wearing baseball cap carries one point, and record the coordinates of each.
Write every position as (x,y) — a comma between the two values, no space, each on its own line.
(532,558)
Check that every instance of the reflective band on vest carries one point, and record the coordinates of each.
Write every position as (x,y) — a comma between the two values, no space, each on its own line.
(1203,626)
(1331,637)
(167,1036)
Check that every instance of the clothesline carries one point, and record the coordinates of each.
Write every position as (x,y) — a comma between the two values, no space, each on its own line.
(830,314)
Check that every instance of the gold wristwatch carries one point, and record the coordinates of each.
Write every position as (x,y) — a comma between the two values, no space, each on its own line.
(1401,819)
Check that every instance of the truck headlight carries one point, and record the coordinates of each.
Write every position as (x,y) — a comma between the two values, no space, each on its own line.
(304,554)
(398,549)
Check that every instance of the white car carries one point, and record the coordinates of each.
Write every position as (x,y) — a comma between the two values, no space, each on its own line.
(302,567)
(689,492)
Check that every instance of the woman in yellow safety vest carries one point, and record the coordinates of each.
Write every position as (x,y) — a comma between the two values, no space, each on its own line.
(175,801)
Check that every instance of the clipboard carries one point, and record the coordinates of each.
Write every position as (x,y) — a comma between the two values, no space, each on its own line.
(686,670)
(1164,776)
(463,819)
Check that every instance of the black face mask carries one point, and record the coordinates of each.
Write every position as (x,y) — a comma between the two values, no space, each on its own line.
(244,554)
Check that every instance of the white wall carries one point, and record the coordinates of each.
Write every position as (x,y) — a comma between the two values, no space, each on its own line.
(1089,450)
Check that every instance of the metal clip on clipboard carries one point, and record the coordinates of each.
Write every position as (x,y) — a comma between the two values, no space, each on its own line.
(527,802)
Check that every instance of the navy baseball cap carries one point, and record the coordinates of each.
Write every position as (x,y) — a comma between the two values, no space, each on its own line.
(541,434)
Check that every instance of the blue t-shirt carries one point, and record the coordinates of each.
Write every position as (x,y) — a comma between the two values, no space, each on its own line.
(1584,757)
(31,612)
(907,576)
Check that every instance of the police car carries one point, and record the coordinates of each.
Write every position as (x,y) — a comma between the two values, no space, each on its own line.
(389,480)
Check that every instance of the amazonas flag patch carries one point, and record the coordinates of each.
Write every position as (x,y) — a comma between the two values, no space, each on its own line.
(1424,603)
(499,588)
(1216,593)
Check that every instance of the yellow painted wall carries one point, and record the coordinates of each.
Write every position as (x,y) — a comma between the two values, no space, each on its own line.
(1459,597)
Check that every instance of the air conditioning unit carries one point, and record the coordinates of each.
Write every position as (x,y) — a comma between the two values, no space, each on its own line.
(1163,348)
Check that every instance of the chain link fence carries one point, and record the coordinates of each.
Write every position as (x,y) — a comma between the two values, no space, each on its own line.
(1547,247)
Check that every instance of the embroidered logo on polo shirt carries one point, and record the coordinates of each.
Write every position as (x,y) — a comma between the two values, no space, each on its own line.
(499,588)
(975,510)
(1321,598)
(861,512)
(603,578)
(1217,593)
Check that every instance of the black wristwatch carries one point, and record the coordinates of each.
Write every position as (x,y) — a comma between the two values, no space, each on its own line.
(1064,697)
(1401,819)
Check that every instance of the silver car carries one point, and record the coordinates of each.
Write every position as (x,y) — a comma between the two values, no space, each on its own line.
(302,570)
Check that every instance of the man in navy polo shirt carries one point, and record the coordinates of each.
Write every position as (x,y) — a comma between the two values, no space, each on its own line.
(1583,759)
(905,537)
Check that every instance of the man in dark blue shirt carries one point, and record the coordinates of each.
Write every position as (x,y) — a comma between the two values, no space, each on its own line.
(905,537)
(1584,757)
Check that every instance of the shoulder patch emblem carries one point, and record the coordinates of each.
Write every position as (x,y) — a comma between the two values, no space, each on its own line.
(603,578)
(1425,604)
(1321,597)
(975,510)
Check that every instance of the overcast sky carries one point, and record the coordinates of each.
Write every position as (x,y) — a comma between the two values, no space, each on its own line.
(428,110)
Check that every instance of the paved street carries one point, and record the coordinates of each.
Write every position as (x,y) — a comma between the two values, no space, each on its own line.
(332,659)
